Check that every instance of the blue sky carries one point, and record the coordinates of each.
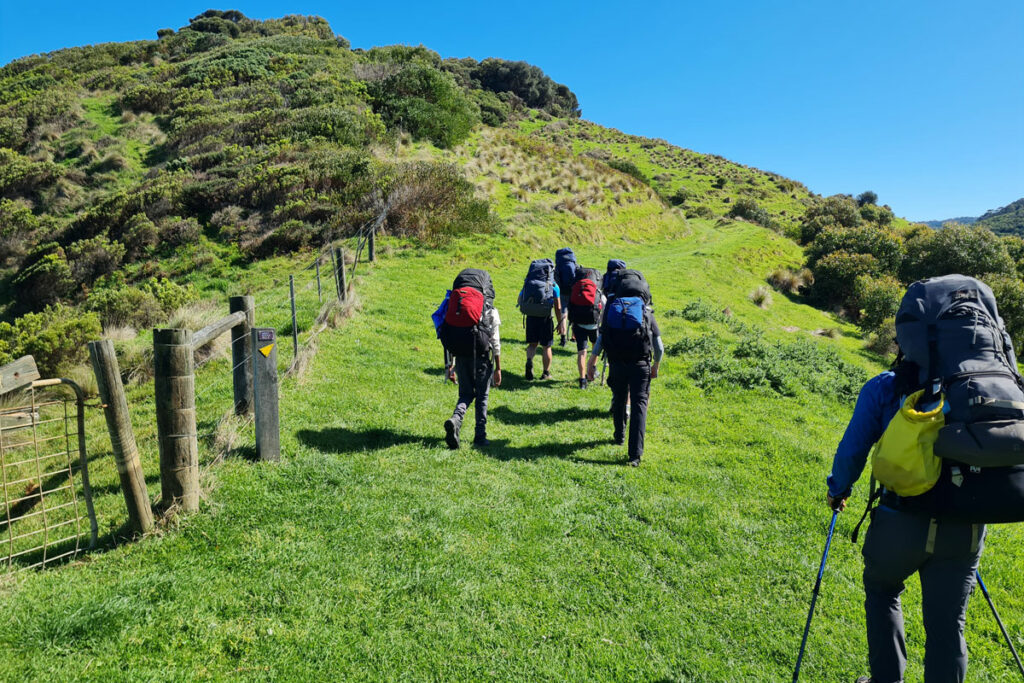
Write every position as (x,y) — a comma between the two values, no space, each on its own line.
(920,101)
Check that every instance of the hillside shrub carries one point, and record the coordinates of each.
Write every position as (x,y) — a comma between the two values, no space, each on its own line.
(754,362)
(629,168)
(94,257)
(973,251)
(750,210)
(55,337)
(835,211)
(866,198)
(1009,292)
(435,202)
(680,196)
(762,297)
(427,103)
(884,245)
(789,282)
(878,299)
(835,273)
(43,279)
(882,339)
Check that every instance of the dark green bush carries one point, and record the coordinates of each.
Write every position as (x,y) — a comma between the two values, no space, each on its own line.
(886,246)
(679,197)
(835,273)
(878,299)
(43,279)
(427,103)
(956,249)
(865,198)
(629,168)
(835,211)
(748,209)
(94,257)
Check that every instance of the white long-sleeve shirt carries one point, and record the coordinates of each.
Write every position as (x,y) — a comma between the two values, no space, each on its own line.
(492,321)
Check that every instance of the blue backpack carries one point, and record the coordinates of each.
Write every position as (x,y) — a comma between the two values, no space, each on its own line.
(626,331)
(438,315)
(565,269)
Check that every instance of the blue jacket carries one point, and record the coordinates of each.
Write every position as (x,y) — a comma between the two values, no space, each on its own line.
(876,405)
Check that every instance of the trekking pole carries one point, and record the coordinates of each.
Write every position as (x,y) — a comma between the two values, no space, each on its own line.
(999,621)
(814,596)
(604,364)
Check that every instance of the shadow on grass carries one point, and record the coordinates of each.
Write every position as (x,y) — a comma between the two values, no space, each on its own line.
(341,440)
(511,417)
(500,450)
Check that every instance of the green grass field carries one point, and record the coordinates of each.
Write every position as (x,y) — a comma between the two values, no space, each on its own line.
(371,552)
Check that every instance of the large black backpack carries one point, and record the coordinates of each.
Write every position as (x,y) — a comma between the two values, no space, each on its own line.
(631,282)
(950,328)
(538,296)
(460,339)
(611,275)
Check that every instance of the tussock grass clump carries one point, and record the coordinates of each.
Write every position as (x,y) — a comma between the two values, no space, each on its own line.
(762,296)
(788,281)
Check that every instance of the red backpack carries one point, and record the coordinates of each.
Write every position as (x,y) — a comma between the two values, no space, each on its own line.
(585,298)
(465,308)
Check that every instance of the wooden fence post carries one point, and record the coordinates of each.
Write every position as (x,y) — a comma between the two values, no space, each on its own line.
(371,246)
(339,274)
(295,326)
(319,293)
(241,353)
(122,438)
(268,430)
(175,389)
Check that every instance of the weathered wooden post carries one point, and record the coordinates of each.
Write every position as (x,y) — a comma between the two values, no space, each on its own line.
(268,431)
(175,389)
(241,353)
(371,246)
(319,292)
(295,326)
(339,274)
(334,267)
(122,438)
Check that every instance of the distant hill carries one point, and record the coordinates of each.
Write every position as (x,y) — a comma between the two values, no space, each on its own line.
(1008,220)
(962,220)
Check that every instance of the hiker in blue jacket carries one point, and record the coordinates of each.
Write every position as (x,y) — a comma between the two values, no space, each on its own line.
(900,541)
(540,331)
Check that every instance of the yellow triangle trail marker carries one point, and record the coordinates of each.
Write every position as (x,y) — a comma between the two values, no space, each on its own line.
(265,350)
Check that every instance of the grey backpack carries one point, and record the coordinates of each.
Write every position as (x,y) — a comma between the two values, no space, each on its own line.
(538,295)
(950,327)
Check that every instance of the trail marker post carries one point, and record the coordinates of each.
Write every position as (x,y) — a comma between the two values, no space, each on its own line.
(339,274)
(265,393)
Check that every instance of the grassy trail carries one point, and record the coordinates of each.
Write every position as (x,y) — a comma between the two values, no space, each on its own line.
(374,553)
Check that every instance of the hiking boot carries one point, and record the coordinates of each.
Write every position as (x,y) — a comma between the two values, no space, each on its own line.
(481,442)
(529,371)
(618,439)
(583,382)
(546,375)
(451,433)
(634,462)
(562,341)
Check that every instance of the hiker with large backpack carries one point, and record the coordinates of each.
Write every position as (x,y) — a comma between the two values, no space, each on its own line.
(586,303)
(630,337)
(565,275)
(537,299)
(611,275)
(467,323)
(945,429)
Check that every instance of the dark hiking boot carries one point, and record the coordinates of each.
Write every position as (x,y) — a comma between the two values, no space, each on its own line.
(451,433)
(562,341)
(583,382)
(529,371)
(546,375)
(634,462)
(481,442)
(618,439)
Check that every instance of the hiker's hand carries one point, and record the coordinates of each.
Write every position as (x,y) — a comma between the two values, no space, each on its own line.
(451,375)
(838,504)
(497,378)
(654,371)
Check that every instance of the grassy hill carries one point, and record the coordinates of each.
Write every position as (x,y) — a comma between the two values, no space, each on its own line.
(371,551)
(1006,220)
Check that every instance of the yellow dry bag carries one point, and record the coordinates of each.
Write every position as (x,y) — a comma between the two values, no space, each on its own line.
(903,460)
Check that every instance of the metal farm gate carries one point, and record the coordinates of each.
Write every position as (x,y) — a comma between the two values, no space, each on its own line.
(49,514)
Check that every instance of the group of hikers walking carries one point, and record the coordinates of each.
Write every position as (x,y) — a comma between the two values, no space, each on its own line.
(611,314)
(944,429)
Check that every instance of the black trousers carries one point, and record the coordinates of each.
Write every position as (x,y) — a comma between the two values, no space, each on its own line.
(632,380)
(474,377)
(945,555)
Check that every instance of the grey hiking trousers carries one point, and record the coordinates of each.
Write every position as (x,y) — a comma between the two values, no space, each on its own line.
(474,384)
(945,555)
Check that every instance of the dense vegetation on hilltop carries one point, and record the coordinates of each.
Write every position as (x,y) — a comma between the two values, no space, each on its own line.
(124,167)
(1007,220)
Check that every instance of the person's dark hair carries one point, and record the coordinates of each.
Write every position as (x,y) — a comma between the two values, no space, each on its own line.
(907,375)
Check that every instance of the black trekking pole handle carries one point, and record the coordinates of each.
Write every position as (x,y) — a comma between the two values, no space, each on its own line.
(814,595)
(999,621)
